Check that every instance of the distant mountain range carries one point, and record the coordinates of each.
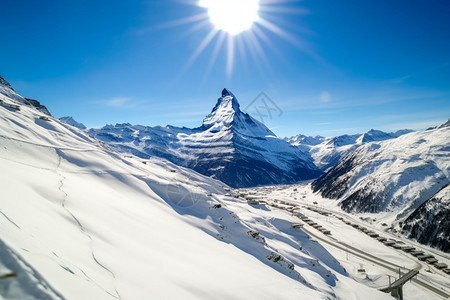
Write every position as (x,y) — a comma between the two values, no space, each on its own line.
(407,176)
(230,145)
(237,149)
(401,176)
(326,152)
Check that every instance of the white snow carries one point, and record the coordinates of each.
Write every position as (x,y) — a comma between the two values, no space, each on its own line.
(346,237)
(79,221)
(326,152)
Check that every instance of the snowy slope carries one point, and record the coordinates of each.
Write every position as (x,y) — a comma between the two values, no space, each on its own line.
(396,175)
(430,222)
(79,221)
(326,152)
(230,145)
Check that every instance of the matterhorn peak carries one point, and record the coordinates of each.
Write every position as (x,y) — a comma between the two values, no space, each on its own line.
(226,108)
(227,92)
(227,98)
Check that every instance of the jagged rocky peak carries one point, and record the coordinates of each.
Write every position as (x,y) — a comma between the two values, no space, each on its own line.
(227,99)
(37,105)
(227,92)
(226,115)
(446,124)
(5,83)
(71,121)
(224,110)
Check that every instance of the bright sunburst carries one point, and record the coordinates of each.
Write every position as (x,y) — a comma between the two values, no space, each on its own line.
(232,16)
(239,28)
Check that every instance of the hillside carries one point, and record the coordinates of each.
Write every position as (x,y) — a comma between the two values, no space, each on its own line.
(396,176)
(80,221)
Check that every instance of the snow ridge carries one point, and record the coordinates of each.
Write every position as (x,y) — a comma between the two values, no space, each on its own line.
(396,175)
(326,152)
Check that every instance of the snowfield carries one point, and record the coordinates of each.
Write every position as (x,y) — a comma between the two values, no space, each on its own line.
(80,221)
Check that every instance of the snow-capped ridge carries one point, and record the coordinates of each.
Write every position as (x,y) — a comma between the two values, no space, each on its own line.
(7,91)
(5,83)
(71,121)
(326,152)
(446,124)
(230,145)
(378,135)
(224,111)
(395,175)
(227,115)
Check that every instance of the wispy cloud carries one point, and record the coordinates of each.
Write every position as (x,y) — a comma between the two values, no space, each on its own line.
(124,102)
(117,101)
(421,72)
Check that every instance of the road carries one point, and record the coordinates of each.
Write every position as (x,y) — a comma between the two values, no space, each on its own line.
(360,253)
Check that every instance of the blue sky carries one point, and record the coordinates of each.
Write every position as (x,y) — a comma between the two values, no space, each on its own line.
(331,67)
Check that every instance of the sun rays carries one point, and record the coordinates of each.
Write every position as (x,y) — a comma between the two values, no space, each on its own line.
(239,28)
(232,16)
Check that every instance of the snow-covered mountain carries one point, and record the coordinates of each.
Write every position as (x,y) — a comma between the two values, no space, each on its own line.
(430,222)
(326,152)
(230,145)
(80,221)
(71,121)
(405,177)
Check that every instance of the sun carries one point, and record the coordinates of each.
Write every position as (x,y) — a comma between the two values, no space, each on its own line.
(240,30)
(232,16)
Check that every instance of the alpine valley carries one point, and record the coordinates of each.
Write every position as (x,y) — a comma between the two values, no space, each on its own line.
(226,210)
(375,172)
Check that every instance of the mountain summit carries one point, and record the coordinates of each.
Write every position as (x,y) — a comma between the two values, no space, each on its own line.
(227,115)
(227,107)
(230,146)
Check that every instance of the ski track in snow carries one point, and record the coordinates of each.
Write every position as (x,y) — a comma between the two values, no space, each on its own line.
(63,205)
(11,221)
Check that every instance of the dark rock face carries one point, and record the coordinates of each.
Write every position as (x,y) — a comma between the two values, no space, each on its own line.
(37,105)
(430,223)
(5,83)
(334,184)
